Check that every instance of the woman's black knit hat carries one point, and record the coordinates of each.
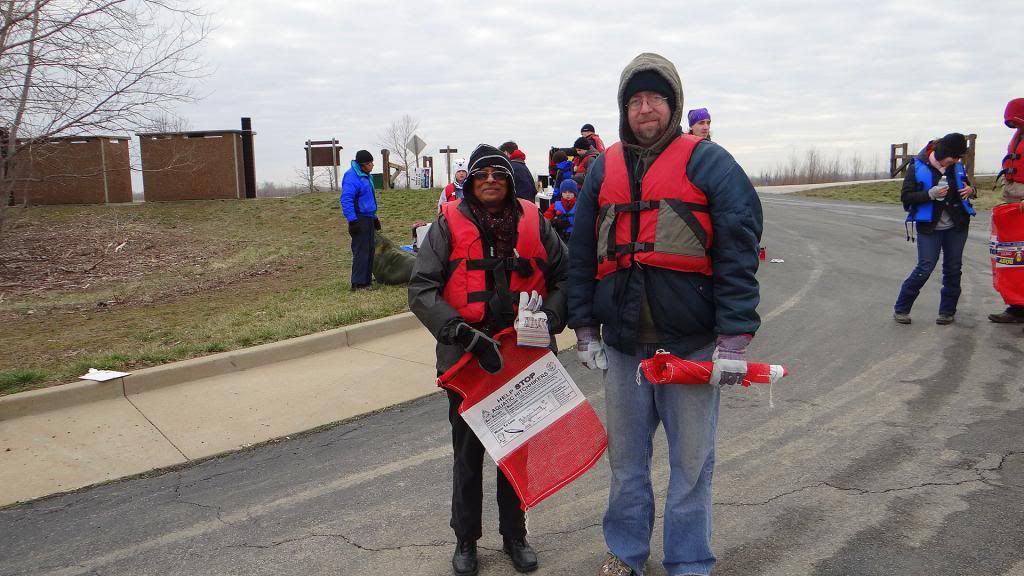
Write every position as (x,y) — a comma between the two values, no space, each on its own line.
(485,156)
(950,145)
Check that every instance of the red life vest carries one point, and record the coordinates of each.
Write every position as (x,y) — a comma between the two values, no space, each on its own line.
(1013,162)
(669,226)
(475,276)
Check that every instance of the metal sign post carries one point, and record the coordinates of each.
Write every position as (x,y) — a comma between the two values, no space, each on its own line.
(448,151)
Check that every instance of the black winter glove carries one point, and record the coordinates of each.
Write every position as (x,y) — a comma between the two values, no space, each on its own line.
(559,222)
(376,224)
(353,227)
(482,346)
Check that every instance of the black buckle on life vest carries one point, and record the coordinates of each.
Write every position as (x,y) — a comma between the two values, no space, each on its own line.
(637,206)
(519,265)
(634,247)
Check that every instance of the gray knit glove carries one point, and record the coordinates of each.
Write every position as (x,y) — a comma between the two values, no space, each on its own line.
(730,360)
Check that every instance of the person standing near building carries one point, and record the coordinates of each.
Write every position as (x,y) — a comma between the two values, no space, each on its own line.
(663,255)
(587,131)
(700,122)
(478,255)
(937,196)
(526,186)
(359,206)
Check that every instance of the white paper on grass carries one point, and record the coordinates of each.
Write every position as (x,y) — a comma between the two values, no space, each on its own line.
(528,402)
(102,375)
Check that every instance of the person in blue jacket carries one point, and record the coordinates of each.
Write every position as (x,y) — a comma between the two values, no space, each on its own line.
(359,206)
(659,261)
(562,212)
(936,194)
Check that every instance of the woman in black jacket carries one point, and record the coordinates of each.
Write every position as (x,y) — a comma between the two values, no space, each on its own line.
(941,211)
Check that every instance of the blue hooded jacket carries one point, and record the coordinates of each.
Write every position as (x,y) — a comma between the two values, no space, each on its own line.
(357,195)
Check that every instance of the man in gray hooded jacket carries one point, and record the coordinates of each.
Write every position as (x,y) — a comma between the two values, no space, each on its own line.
(663,256)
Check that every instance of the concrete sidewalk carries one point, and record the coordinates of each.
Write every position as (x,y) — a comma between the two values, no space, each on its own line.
(71,436)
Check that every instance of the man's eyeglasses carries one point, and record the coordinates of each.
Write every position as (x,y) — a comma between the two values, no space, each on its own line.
(483,175)
(652,101)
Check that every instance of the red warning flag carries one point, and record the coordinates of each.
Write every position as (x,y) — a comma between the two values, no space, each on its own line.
(531,418)
(664,368)
(1007,250)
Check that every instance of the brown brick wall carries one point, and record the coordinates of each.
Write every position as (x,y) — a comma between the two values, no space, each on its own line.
(200,168)
(71,171)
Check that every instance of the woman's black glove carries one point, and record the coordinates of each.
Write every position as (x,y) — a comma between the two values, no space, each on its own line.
(353,227)
(485,348)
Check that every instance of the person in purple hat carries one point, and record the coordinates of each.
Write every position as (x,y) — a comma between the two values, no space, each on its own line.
(700,123)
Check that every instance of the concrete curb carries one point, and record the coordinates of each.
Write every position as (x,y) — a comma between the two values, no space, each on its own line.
(59,397)
(65,395)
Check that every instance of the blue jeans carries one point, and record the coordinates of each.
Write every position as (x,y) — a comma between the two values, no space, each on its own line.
(951,243)
(690,416)
(362,253)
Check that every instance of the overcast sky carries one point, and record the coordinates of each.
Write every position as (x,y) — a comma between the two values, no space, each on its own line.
(779,77)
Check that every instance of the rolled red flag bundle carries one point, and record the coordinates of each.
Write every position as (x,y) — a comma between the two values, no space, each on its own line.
(531,418)
(664,368)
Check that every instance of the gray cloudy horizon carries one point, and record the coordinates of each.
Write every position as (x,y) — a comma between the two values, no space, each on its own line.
(779,77)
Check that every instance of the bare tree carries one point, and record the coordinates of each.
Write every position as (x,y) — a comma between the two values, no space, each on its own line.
(395,139)
(315,181)
(74,67)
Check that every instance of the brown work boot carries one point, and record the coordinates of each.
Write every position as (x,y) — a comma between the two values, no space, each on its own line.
(1006,318)
(613,566)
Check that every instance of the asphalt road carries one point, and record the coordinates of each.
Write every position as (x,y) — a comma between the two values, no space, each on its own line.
(890,449)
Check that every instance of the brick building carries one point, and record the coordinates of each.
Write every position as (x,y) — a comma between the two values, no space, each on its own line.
(74,170)
(200,165)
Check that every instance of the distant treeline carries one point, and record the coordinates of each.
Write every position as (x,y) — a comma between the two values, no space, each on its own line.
(814,168)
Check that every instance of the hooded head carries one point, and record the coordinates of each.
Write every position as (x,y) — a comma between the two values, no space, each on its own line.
(651,72)
(953,145)
(1014,114)
(486,158)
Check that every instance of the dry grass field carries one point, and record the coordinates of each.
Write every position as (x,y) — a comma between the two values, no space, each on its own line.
(125,287)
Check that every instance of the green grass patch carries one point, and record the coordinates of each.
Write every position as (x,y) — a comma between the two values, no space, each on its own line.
(196,278)
(889,193)
(18,380)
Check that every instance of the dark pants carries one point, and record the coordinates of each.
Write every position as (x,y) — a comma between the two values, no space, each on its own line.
(362,252)
(951,244)
(468,485)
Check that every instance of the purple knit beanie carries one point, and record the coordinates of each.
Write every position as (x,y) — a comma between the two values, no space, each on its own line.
(697,114)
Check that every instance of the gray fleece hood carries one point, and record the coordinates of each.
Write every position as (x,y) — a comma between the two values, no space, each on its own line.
(656,63)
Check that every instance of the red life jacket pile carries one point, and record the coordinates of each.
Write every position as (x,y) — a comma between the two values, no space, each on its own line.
(1007,250)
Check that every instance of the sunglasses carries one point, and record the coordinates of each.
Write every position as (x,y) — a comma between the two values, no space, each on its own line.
(483,175)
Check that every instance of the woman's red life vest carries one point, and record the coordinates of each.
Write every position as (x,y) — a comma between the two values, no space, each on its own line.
(668,226)
(1013,162)
(475,276)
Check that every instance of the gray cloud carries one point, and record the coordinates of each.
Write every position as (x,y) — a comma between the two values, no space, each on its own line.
(778,76)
